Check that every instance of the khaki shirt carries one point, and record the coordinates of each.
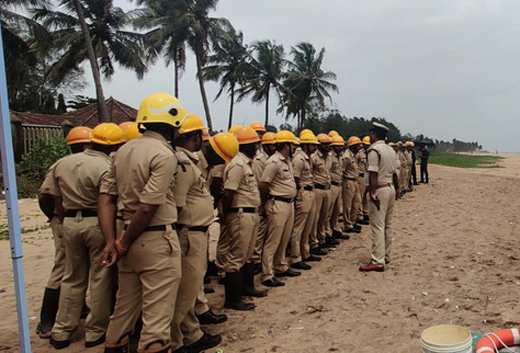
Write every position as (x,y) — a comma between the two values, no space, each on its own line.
(397,161)
(381,160)
(408,156)
(48,183)
(361,158)
(77,179)
(204,168)
(259,163)
(217,171)
(190,191)
(336,167)
(143,172)
(321,168)
(350,166)
(239,177)
(303,169)
(402,159)
(279,174)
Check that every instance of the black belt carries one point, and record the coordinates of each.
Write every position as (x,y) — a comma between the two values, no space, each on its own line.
(119,217)
(160,228)
(361,175)
(279,198)
(307,187)
(335,183)
(353,179)
(322,187)
(84,213)
(202,229)
(244,209)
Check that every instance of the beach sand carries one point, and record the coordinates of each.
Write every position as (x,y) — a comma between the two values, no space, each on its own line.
(455,260)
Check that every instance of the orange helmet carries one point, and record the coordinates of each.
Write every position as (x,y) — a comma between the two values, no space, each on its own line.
(268,138)
(354,140)
(205,135)
(258,126)
(333,133)
(79,134)
(324,138)
(245,135)
(337,141)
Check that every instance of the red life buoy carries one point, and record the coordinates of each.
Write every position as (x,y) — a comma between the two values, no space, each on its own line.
(491,342)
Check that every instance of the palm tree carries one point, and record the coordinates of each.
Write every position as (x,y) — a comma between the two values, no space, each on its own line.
(103,24)
(264,73)
(228,64)
(306,81)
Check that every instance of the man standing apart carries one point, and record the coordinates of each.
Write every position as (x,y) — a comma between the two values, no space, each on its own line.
(382,190)
(425,154)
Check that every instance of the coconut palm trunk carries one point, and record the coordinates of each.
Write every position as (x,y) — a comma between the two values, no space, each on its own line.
(266,108)
(231,105)
(102,107)
(198,55)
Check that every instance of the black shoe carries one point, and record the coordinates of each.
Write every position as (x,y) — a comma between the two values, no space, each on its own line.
(208,290)
(312,258)
(366,218)
(182,350)
(210,318)
(207,341)
(301,266)
(258,268)
(415,183)
(357,226)
(51,299)
(233,289)
(319,252)
(273,282)
(100,340)
(339,235)
(288,273)
(331,241)
(352,230)
(59,344)
(364,222)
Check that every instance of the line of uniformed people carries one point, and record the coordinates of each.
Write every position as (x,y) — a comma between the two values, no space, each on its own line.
(405,165)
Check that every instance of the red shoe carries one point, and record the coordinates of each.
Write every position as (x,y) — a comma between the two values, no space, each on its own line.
(371,267)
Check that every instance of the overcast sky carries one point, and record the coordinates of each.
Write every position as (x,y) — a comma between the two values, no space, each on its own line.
(444,68)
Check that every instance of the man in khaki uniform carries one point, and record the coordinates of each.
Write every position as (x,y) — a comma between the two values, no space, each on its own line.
(76,183)
(240,209)
(259,128)
(278,189)
(383,183)
(304,206)
(336,174)
(364,198)
(267,150)
(403,171)
(321,163)
(141,178)
(361,162)
(78,139)
(351,195)
(408,154)
(195,206)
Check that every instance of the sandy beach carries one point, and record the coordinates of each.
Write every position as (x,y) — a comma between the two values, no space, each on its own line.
(455,260)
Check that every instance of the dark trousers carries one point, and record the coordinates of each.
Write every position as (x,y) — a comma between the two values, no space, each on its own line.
(413,175)
(424,171)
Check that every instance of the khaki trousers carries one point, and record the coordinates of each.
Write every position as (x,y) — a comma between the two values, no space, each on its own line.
(322,200)
(303,205)
(334,209)
(149,277)
(243,231)
(58,269)
(280,221)
(84,246)
(201,303)
(351,202)
(402,177)
(185,327)
(361,211)
(381,223)
(222,250)
(260,239)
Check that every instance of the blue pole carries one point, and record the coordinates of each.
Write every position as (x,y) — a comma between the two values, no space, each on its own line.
(11,200)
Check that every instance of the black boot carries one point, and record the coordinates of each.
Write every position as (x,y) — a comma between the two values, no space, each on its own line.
(248,282)
(233,287)
(51,300)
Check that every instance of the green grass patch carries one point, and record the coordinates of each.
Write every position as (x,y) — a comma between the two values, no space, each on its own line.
(464,160)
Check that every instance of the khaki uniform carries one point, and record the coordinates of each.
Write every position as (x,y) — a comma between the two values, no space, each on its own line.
(150,272)
(192,196)
(361,158)
(350,191)
(242,218)
(258,167)
(76,180)
(336,176)
(409,161)
(58,269)
(403,171)
(223,242)
(381,160)
(304,208)
(279,209)
(321,164)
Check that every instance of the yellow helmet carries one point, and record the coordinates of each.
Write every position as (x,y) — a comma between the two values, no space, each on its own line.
(308,139)
(366,140)
(205,135)
(258,126)
(306,131)
(225,145)
(192,123)
(333,133)
(234,128)
(132,132)
(245,135)
(324,138)
(268,138)
(161,108)
(337,141)
(412,144)
(285,136)
(108,134)
(354,140)
(125,125)
(79,134)
(297,143)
